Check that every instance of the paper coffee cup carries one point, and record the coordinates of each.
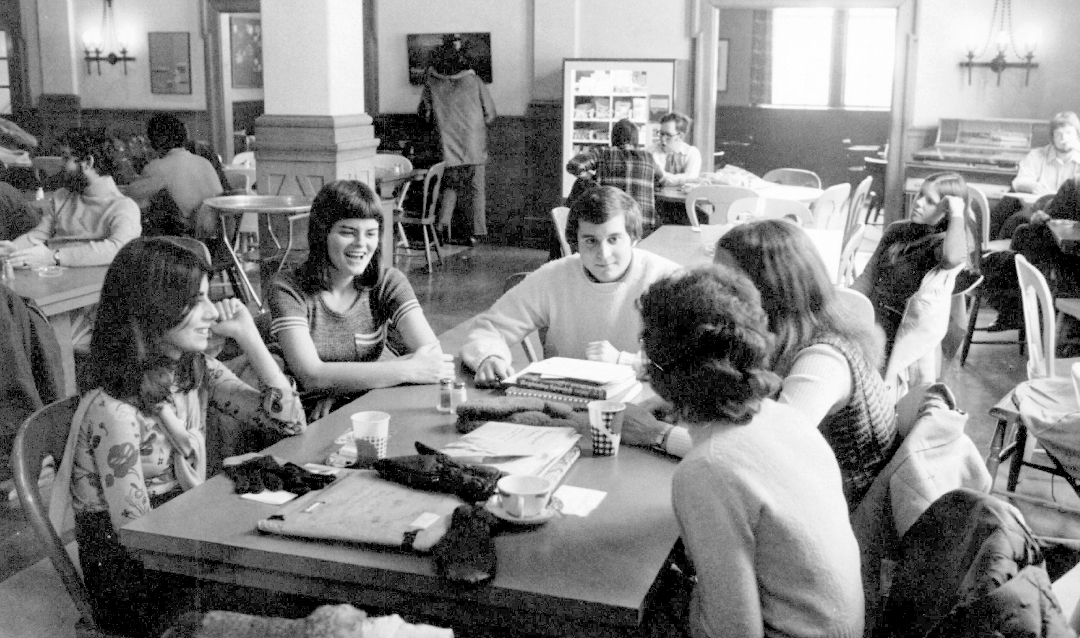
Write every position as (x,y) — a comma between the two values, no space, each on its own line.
(524,495)
(605,423)
(370,431)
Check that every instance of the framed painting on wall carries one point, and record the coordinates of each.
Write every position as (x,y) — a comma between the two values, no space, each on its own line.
(170,62)
(721,65)
(245,49)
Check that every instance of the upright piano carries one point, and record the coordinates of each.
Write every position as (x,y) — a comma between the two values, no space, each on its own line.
(986,152)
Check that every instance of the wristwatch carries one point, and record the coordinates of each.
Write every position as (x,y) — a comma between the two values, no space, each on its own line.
(660,445)
(56,257)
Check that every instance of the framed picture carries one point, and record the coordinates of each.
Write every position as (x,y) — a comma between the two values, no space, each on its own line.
(721,65)
(245,52)
(170,62)
(425,49)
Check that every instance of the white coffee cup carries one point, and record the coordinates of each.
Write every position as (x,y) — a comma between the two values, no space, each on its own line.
(370,432)
(524,495)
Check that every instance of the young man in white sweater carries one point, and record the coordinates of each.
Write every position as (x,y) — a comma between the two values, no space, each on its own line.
(587,301)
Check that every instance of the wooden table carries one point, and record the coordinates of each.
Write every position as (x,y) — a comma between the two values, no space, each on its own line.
(1067,234)
(59,298)
(804,194)
(571,576)
(682,245)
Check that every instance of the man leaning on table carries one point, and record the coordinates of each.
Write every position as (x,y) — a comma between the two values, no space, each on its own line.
(680,162)
(587,301)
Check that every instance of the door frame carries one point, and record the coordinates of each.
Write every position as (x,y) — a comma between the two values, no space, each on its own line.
(903,91)
(215,81)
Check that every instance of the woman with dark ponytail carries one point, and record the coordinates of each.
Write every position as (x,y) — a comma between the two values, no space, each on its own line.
(759,498)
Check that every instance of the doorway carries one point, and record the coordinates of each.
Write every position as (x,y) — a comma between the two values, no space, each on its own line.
(233,101)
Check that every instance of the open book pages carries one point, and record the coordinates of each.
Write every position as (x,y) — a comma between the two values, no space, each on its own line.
(595,372)
(540,451)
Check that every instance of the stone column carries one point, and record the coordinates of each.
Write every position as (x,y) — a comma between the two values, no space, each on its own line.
(314,130)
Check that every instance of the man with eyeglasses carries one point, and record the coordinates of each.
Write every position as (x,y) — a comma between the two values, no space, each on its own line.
(680,162)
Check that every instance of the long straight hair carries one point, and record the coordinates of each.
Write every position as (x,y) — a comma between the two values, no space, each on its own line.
(796,290)
(150,288)
(343,199)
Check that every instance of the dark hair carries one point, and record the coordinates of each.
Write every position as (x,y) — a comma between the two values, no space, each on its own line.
(708,344)
(947,184)
(93,143)
(166,132)
(1066,203)
(682,122)
(597,205)
(343,199)
(624,133)
(149,289)
(796,290)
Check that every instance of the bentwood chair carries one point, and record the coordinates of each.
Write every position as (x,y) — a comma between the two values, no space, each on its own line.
(847,274)
(559,215)
(829,209)
(860,199)
(793,177)
(388,163)
(720,197)
(44,434)
(428,214)
(532,349)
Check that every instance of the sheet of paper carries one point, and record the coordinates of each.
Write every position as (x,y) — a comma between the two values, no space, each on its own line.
(542,447)
(279,497)
(579,501)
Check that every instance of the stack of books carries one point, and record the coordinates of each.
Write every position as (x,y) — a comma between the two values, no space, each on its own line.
(575,381)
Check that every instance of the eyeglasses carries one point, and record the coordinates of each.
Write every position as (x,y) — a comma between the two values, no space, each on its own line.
(668,136)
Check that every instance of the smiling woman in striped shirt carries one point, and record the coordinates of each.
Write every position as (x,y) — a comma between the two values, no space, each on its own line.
(334,314)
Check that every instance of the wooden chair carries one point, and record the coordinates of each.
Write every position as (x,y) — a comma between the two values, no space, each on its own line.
(531,347)
(43,434)
(559,214)
(793,177)
(428,214)
(829,210)
(240,182)
(1040,327)
(720,197)
(847,274)
(769,208)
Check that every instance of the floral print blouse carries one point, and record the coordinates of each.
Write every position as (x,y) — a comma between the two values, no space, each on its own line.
(123,456)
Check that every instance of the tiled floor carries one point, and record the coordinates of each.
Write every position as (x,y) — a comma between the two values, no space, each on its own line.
(471,280)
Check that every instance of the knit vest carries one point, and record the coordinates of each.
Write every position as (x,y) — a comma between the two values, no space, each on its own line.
(863,433)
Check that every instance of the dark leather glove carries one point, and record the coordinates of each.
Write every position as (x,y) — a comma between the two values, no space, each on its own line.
(466,553)
(433,471)
(266,473)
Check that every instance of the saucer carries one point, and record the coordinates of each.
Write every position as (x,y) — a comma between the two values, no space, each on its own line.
(493,506)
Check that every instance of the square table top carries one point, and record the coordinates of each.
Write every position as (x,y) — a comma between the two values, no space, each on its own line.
(74,288)
(573,572)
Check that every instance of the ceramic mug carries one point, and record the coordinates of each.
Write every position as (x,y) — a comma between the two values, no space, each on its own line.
(524,495)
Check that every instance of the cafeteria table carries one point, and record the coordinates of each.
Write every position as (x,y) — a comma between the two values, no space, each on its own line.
(805,194)
(682,245)
(59,297)
(589,575)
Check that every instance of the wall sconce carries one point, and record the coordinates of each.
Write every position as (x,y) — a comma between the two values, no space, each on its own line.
(1004,40)
(92,41)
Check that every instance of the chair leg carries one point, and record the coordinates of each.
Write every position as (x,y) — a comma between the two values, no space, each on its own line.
(993,459)
(973,316)
(438,247)
(427,248)
(1018,456)
(403,241)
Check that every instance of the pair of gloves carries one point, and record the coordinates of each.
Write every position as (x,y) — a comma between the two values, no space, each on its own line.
(268,473)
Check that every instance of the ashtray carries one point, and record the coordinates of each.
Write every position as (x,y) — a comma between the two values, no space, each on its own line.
(50,271)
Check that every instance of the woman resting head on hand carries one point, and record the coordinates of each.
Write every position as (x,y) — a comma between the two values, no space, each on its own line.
(758,498)
(138,437)
(335,313)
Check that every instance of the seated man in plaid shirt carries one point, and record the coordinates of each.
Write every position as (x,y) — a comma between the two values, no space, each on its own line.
(624,166)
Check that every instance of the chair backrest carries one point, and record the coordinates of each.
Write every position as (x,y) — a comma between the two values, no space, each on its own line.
(432,190)
(1076,381)
(829,211)
(531,350)
(847,273)
(44,433)
(559,214)
(856,304)
(246,158)
(793,177)
(981,207)
(390,160)
(1040,332)
(856,203)
(720,197)
(239,182)
(770,208)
